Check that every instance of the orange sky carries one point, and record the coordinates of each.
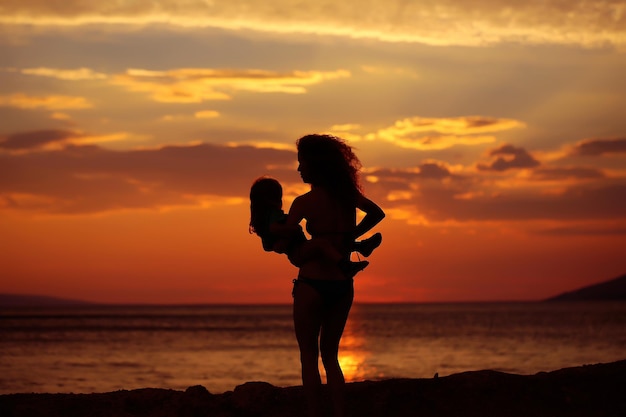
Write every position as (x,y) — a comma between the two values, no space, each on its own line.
(493,136)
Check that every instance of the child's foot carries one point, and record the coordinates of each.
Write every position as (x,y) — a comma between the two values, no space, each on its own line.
(355,268)
(350,269)
(367,246)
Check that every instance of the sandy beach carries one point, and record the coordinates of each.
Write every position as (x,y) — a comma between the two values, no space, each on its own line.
(590,391)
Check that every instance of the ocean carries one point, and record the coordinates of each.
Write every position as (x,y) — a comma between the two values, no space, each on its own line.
(84,349)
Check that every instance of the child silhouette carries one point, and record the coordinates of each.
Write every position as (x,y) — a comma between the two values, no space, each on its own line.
(267,220)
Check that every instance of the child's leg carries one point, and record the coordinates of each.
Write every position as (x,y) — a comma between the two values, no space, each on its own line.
(319,247)
(310,249)
(366,246)
(315,248)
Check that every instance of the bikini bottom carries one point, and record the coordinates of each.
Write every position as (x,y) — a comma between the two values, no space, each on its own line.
(330,291)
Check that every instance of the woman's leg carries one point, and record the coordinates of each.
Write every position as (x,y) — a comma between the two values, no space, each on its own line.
(333,324)
(307,319)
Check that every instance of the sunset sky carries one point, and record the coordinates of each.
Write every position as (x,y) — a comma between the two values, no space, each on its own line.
(492,133)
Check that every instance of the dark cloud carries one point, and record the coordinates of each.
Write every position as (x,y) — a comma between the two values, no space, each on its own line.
(87,179)
(433,171)
(92,179)
(597,200)
(435,193)
(582,173)
(509,157)
(428,170)
(34,139)
(394,180)
(596,147)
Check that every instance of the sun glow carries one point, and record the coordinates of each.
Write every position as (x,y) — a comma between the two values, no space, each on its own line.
(353,354)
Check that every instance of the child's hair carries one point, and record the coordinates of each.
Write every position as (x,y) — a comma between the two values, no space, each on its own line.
(264,194)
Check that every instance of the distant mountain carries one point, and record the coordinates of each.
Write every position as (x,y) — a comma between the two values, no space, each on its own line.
(25,300)
(614,289)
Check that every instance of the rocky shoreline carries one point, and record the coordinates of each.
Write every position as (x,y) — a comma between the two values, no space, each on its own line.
(587,391)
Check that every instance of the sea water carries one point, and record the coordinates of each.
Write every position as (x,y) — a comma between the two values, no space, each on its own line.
(106,348)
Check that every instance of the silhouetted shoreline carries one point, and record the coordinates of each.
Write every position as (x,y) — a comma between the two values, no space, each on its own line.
(589,390)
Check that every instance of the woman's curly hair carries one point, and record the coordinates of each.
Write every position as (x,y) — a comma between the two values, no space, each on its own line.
(333,165)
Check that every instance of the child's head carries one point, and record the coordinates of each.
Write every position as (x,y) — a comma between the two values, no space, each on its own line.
(266,190)
(265,194)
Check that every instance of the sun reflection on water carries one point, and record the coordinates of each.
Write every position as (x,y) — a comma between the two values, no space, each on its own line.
(353,354)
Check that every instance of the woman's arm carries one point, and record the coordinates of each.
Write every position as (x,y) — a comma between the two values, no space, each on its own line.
(289,228)
(296,212)
(373,215)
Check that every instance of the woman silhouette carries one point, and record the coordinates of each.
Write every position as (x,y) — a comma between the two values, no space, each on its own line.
(322,293)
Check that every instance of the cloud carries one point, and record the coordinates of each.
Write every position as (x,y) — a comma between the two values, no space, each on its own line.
(91,179)
(598,200)
(52,139)
(509,157)
(195,85)
(35,139)
(425,143)
(424,171)
(596,147)
(434,192)
(68,75)
(207,114)
(567,173)
(468,125)
(405,186)
(346,127)
(84,178)
(445,22)
(410,132)
(51,102)
(181,85)
(433,170)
